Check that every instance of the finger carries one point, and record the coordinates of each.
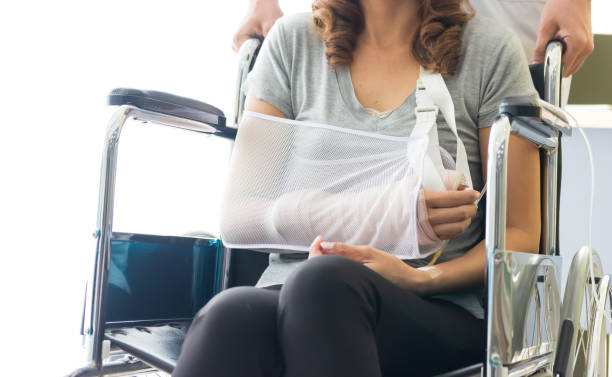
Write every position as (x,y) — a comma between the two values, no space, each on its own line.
(548,29)
(315,248)
(578,49)
(571,55)
(451,215)
(445,199)
(266,28)
(580,59)
(238,41)
(578,63)
(244,33)
(450,231)
(350,251)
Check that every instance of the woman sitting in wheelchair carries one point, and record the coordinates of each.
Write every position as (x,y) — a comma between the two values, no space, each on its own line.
(353,310)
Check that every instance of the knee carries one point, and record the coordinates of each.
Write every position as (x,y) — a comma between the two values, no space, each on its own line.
(322,279)
(233,335)
(237,308)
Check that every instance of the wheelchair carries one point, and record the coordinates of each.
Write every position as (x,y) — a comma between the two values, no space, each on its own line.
(530,330)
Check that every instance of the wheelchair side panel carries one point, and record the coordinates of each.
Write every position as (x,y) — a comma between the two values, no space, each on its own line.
(525,321)
(159,277)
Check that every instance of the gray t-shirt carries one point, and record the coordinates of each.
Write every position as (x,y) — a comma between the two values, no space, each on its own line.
(292,74)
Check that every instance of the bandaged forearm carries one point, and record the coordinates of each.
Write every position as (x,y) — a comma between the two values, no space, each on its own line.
(379,216)
(365,218)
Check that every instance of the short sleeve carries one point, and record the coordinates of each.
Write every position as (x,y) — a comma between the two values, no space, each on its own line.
(269,80)
(505,74)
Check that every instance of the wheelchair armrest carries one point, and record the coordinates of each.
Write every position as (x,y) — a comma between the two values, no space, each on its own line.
(175,106)
(536,119)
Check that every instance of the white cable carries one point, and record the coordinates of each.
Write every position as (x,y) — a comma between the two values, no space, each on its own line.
(592,195)
(590,219)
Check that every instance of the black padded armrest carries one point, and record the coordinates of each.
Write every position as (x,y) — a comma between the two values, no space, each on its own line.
(173,105)
(549,116)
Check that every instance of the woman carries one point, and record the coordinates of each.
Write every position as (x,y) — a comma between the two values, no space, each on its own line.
(346,310)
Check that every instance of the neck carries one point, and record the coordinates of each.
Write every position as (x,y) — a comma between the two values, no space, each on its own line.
(389,23)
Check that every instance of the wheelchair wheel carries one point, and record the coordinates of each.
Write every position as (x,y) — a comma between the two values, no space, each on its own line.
(585,303)
(591,343)
(596,364)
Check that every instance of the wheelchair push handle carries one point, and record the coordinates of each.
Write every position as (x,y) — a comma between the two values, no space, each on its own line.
(246,60)
(553,71)
(547,75)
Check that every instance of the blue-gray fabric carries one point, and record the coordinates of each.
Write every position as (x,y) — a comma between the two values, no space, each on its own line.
(292,74)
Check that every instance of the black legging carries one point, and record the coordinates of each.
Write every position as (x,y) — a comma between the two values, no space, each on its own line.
(333,317)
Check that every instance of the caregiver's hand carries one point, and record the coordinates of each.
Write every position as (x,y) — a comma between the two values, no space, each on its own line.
(387,265)
(260,17)
(450,212)
(571,21)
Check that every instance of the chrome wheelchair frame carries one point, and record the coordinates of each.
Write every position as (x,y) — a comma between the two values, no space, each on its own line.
(513,278)
(522,288)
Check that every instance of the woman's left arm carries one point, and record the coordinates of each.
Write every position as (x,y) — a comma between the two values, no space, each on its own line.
(522,220)
(467,271)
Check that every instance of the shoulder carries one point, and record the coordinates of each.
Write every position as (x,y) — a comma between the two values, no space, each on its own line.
(297,27)
(488,47)
(492,66)
(483,35)
(296,21)
(295,38)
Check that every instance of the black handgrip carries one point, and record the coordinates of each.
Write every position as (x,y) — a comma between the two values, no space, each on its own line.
(563,348)
(537,70)
(560,40)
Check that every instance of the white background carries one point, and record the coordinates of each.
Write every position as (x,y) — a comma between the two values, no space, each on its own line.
(58,62)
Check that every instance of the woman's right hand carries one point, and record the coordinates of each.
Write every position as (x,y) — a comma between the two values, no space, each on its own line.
(450,212)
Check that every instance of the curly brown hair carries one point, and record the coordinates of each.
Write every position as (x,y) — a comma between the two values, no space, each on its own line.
(436,44)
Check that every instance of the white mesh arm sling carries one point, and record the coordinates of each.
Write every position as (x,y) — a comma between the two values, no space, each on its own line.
(290,181)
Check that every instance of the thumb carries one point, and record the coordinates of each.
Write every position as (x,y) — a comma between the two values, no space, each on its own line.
(315,248)
(547,31)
